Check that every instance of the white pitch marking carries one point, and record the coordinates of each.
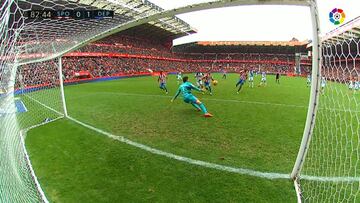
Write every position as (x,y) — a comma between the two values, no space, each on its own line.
(266,175)
(206,99)
(220,100)
(243,171)
(45,106)
(23,134)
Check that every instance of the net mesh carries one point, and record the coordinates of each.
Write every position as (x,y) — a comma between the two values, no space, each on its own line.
(30,93)
(45,38)
(16,182)
(37,93)
(29,77)
(332,161)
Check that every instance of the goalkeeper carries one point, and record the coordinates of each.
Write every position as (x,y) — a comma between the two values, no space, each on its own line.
(188,97)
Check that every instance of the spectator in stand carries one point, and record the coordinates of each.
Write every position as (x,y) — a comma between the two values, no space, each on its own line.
(140,55)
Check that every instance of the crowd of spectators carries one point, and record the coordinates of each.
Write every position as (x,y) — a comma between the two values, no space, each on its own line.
(121,49)
(108,66)
(45,73)
(37,74)
(124,44)
(96,66)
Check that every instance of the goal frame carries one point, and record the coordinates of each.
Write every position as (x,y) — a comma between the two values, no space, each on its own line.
(316,59)
(314,93)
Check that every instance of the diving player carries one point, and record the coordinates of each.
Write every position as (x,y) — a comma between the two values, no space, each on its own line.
(207,82)
(263,79)
(188,97)
(162,81)
(251,78)
(241,81)
(308,82)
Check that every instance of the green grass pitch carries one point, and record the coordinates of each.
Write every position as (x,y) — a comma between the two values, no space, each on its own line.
(259,129)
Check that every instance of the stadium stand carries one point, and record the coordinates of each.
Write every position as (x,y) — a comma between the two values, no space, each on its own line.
(149,46)
(131,51)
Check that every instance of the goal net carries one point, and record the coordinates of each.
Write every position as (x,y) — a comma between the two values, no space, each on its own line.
(31,92)
(29,76)
(331,171)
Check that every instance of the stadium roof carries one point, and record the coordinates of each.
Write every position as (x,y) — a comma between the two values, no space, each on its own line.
(173,25)
(35,40)
(127,9)
(276,47)
(251,43)
(41,38)
(152,32)
(348,30)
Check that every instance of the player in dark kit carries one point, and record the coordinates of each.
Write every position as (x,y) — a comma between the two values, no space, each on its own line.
(277,78)
(224,74)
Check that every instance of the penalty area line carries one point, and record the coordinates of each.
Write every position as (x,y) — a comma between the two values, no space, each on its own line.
(266,175)
(242,171)
(228,100)
(205,99)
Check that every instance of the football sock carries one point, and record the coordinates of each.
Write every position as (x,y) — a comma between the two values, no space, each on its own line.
(203,108)
(196,105)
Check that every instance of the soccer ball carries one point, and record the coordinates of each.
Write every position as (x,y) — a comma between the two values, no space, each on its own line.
(215,82)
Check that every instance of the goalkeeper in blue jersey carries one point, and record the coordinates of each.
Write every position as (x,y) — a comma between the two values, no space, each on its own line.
(188,97)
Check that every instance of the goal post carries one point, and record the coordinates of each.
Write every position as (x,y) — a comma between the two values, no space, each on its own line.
(314,92)
(61,83)
(37,85)
(331,172)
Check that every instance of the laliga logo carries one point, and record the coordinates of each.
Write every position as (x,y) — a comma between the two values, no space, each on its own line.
(337,16)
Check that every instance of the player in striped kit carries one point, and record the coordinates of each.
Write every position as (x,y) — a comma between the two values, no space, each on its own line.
(251,78)
(263,79)
(308,82)
(351,84)
(323,84)
(162,81)
(241,81)
(357,84)
(207,82)
(199,81)
(178,77)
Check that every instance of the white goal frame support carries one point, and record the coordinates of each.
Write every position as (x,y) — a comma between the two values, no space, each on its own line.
(173,12)
(316,46)
(313,102)
(61,81)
